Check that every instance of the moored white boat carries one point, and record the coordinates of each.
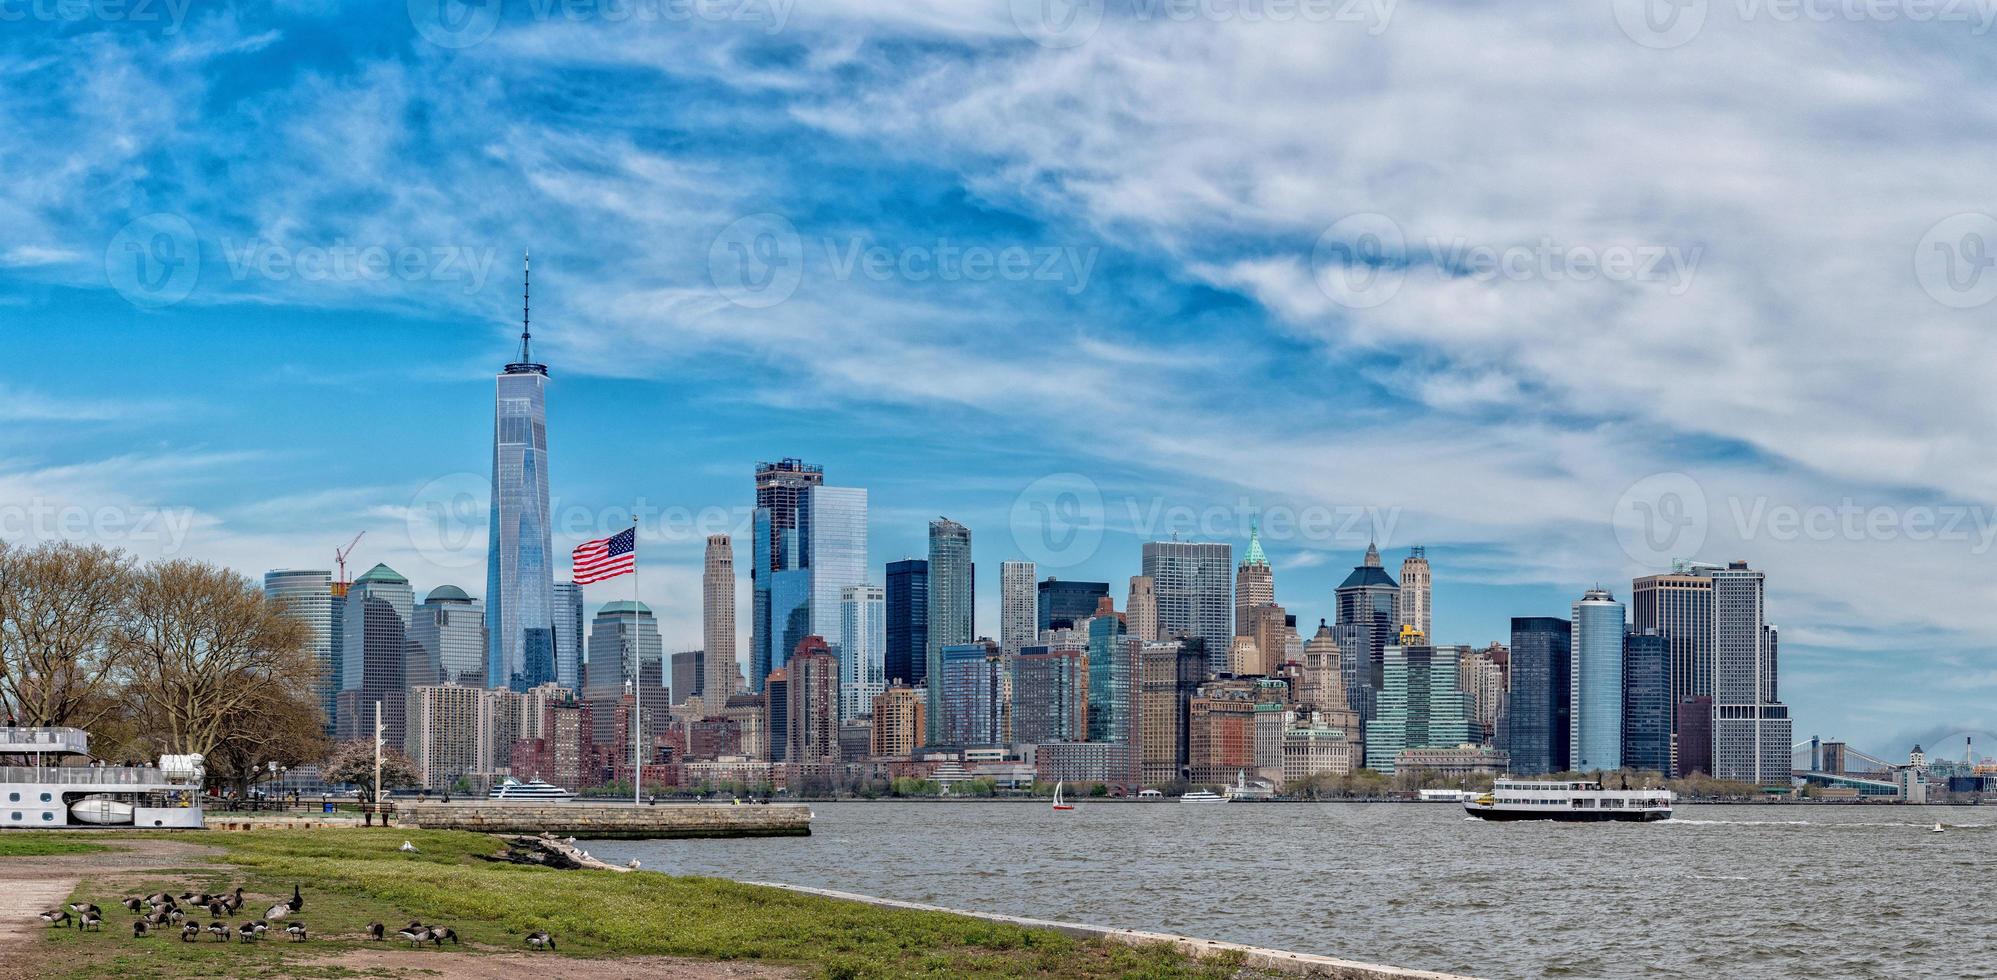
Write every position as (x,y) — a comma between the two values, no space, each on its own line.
(533,790)
(1202,796)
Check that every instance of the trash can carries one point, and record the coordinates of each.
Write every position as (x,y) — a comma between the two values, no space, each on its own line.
(326,807)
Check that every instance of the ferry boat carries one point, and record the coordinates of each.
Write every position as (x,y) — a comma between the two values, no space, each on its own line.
(533,790)
(1202,796)
(1573,800)
(50,780)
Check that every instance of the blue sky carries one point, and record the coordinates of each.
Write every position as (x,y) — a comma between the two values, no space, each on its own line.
(1557,294)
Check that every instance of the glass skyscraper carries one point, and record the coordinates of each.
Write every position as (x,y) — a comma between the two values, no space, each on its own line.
(1111,678)
(1063,604)
(862,649)
(1422,705)
(908,621)
(1595,711)
(835,555)
(447,640)
(379,606)
(1369,601)
(1536,714)
(1647,702)
(308,597)
(520,581)
(952,616)
(568,635)
(782,492)
(1194,583)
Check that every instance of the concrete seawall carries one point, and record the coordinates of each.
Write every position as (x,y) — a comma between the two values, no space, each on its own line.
(622,821)
(1252,957)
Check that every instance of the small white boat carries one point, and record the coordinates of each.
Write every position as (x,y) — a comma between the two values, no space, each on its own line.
(1202,796)
(1938,828)
(1059,804)
(531,790)
(102,810)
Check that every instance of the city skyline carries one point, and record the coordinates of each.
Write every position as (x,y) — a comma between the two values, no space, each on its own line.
(344,402)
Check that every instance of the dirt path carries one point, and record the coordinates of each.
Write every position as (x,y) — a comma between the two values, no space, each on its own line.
(32,885)
(541,966)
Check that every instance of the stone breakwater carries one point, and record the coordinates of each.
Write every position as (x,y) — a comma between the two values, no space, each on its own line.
(612,821)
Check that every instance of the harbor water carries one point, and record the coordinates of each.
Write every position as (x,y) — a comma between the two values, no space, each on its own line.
(1721,891)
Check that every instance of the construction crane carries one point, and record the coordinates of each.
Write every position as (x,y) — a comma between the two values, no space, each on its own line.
(340,557)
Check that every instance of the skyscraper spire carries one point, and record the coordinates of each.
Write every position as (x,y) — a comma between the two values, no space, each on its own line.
(526,284)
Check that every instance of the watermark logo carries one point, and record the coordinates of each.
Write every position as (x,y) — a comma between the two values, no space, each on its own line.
(757,261)
(447,519)
(1660,24)
(163,530)
(1661,517)
(346,262)
(1360,261)
(454,24)
(1057,23)
(154,261)
(171,13)
(1057,521)
(1956,261)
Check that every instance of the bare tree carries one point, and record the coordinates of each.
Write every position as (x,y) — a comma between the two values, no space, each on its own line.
(206,649)
(61,606)
(286,728)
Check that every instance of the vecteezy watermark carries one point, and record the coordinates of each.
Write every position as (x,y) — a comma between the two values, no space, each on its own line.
(171,13)
(343,261)
(1362,260)
(1071,23)
(758,261)
(448,520)
(1058,521)
(1664,24)
(463,23)
(154,261)
(1667,516)
(162,530)
(1956,261)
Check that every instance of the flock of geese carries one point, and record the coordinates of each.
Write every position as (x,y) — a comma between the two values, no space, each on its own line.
(162,911)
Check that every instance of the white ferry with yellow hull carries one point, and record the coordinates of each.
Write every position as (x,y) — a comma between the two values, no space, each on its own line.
(1579,801)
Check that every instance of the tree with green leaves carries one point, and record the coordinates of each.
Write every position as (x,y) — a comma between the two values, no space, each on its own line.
(352,763)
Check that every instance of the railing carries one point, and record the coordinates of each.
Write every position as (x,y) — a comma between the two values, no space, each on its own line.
(15,740)
(86,775)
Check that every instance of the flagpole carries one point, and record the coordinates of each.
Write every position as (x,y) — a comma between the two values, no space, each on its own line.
(637,685)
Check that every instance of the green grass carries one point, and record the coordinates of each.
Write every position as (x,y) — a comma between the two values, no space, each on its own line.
(354,876)
(33,844)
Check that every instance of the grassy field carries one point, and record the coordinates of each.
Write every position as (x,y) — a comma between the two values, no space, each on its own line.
(351,877)
(43,845)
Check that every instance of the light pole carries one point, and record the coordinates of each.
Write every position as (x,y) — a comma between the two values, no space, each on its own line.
(377,762)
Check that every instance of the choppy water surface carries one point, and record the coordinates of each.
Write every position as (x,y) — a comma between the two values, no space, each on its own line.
(1721,891)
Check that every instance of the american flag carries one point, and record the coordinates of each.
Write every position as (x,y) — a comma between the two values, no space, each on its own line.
(606,557)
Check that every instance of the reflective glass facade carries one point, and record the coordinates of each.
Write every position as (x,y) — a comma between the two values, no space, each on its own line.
(1595,709)
(519,585)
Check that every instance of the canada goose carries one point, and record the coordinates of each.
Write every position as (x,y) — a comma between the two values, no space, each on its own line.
(218,908)
(138,930)
(296,931)
(540,940)
(90,921)
(374,931)
(284,908)
(247,932)
(414,934)
(235,901)
(190,932)
(437,935)
(133,903)
(220,930)
(56,917)
(158,898)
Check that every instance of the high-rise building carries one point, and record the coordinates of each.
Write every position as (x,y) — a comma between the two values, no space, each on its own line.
(1111,675)
(1169,675)
(1647,704)
(1195,593)
(1536,718)
(375,652)
(1049,696)
(1019,607)
(813,727)
(952,614)
(447,640)
(1140,611)
(969,690)
(1274,631)
(559,752)
(717,624)
(1369,601)
(1254,581)
(898,727)
(1319,746)
(690,678)
(1483,676)
(1694,740)
(568,635)
(443,737)
(907,621)
(1595,712)
(1417,592)
(862,649)
(1061,603)
(620,629)
(520,575)
(1235,729)
(1679,606)
(778,578)
(1421,702)
(1751,725)
(835,554)
(776,713)
(1323,688)
(307,595)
